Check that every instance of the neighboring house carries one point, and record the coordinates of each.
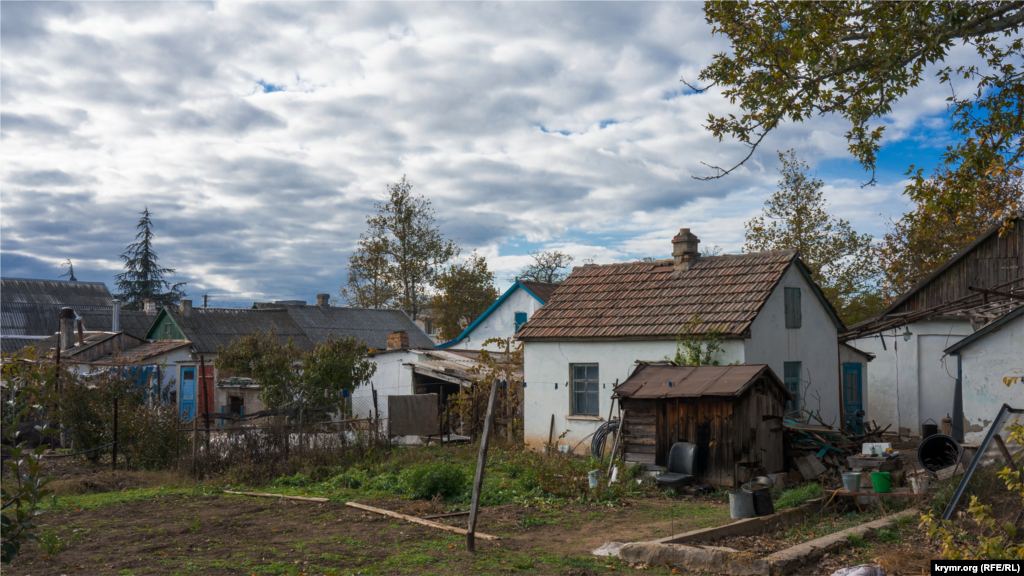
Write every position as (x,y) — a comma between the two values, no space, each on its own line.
(162,356)
(505,317)
(991,362)
(604,319)
(912,379)
(210,328)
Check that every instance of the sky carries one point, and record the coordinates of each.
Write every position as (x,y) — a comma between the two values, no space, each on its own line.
(260,136)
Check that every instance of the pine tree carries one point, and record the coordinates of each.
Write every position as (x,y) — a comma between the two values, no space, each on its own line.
(143,278)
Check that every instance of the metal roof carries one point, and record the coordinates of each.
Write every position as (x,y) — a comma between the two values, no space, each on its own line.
(370,326)
(993,327)
(10,345)
(659,381)
(208,328)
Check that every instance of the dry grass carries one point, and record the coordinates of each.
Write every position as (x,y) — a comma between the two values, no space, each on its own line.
(110,481)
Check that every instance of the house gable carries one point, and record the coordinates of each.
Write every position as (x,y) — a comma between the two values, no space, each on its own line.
(164,328)
(524,286)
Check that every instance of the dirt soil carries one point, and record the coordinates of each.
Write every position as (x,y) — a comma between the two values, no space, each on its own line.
(241,535)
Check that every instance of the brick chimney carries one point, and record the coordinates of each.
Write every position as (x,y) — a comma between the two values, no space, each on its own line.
(185,308)
(67,328)
(149,305)
(321,299)
(684,250)
(398,340)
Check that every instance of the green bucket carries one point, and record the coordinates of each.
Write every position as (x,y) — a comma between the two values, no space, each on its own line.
(880,482)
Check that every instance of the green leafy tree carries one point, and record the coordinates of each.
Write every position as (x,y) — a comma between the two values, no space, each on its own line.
(549,267)
(795,60)
(395,259)
(796,217)
(465,291)
(930,234)
(335,365)
(143,277)
(698,345)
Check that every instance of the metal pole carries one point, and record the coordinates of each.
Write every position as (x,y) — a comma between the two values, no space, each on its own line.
(481,461)
(113,454)
(206,401)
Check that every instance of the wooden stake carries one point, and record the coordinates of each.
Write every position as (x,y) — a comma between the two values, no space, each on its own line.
(417,520)
(481,461)
(608,421)
(195,433)
(551,435)
(262,495)
(615,446)
(113,454)
(446,515)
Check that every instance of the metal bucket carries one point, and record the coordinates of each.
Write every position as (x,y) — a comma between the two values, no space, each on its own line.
(763,505)
(741,504)
(919,483)
(937,452)
(928,430)
(593,476)
(851,481)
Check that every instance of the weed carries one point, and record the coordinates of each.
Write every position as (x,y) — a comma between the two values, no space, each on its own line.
(798,496)
(195,526)
(428,480)
(51,543)
(888,536)
(856,541)
(531,520)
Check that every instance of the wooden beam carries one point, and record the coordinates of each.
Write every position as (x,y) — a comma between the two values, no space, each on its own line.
(996,292)
(481,463)
(418,520)
(445,515)
(262,495)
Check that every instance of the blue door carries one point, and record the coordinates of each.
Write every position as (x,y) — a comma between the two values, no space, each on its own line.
(853,397)
(188,392)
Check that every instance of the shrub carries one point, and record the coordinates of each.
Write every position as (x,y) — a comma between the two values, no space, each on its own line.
(428,480)
(798,496)
(888,536)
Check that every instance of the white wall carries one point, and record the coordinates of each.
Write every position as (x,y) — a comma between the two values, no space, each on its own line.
(913,381)
(501,323)
(815,345)
(986,363)
(391,377)
(547,363)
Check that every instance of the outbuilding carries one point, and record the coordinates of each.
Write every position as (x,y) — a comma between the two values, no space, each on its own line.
(733,414)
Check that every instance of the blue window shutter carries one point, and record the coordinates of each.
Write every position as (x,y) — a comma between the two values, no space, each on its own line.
(520,320)
(793,316)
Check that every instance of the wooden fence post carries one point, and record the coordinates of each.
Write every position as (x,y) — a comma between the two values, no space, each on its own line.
(113,454)
(481,461)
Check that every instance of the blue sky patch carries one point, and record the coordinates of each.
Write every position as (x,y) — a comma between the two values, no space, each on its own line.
(269,87)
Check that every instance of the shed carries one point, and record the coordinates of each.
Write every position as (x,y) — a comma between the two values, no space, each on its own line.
(732,413)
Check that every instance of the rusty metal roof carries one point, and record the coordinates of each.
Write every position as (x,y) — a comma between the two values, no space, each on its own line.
(650,301)
(653,381)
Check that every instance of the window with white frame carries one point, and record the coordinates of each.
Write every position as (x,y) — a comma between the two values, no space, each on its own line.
(585,387)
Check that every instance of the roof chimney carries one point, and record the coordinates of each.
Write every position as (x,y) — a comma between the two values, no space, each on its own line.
(398,340)
(321,299)
(149,305)
(115,322)
(684,250)
(185,307)
(67,328)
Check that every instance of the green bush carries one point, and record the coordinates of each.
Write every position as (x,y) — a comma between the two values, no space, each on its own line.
(428,480)
(353,479)
(798,496)
(299,480)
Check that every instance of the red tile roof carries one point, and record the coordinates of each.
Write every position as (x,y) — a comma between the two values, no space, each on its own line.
(650,301)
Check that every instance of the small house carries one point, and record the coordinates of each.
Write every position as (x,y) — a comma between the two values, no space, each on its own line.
(505,317)
(733,414)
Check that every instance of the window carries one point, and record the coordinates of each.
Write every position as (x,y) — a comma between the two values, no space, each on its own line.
(237,405)
(520,320)
(167,328)
(791,377)
(188,374)
(585,389)
(793,316)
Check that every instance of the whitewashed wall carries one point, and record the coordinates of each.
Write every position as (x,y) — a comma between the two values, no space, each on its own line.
(912,382)
(986,363)
(814,345)
(391,377)
(546,363)
(501,323)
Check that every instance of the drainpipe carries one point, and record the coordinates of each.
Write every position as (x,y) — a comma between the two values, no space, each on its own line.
(115,322)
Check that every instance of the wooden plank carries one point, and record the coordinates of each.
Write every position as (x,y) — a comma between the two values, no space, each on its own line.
(446,515)
(638,440)
(262,495)
(641,458)
(418,520)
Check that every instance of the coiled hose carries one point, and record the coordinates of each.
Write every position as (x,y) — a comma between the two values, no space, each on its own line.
(597,444)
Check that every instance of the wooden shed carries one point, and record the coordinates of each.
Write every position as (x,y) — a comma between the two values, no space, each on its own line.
(732,413)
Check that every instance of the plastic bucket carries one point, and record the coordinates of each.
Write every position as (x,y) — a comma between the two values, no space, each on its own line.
(763,505)
(880,482)
(938,451)
(919,483)
(741,504)
(851,481)
(593,475)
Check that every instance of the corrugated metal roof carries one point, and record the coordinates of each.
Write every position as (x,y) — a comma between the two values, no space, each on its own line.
(652,381)
(134,322)
(370,326)
(12,345)
(649,300)
(209,328)
(31,307)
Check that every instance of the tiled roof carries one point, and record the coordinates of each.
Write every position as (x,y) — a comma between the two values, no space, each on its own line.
(540,289)
(648,300)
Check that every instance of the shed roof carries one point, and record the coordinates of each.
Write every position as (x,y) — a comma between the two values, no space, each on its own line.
(651,381)
(145,351)
(993,327)
(30,307)
(650,300)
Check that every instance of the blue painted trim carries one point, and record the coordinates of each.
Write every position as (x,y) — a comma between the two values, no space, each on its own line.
(488,312)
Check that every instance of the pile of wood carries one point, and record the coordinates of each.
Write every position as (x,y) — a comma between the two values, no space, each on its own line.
(816,449)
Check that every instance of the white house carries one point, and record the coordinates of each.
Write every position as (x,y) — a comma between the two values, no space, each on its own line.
(603,319)
(991,362)
(504,318)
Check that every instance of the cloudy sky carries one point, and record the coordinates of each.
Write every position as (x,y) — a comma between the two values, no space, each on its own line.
(260,136)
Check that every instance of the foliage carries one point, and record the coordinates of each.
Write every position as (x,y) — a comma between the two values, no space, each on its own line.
(290,376)
(396,257)
(795,217)
(547,267)
(798,496)
(143,278)
(794,60)
(21,493)
(502,368)
(698,346)
(466,290)
(52,544)
(70,274)
(146,428)
(928,236)
(428,480)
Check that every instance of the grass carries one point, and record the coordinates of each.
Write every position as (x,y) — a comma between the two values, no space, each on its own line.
(798,496)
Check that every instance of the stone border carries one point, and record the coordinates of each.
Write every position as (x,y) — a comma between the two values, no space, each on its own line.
(747,526)
(736,563)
